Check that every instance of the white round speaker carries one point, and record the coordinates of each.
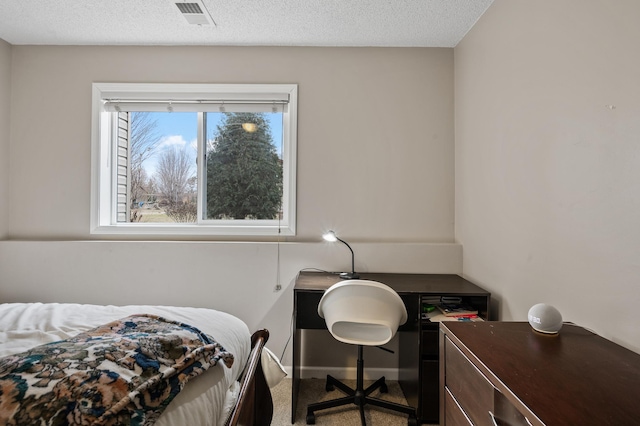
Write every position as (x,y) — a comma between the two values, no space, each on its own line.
(545,318)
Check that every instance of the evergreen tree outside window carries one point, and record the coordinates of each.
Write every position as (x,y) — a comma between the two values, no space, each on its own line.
(244,171)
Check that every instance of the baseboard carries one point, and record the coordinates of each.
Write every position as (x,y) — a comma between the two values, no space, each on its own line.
(348,373)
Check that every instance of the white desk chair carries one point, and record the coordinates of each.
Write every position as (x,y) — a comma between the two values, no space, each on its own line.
(363,313)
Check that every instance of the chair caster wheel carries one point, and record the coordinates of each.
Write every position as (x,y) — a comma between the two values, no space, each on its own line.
(311,419)
(413,421)
(384,388)
(328,387)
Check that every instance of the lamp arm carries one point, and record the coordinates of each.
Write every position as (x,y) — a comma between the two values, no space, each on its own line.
(353,269)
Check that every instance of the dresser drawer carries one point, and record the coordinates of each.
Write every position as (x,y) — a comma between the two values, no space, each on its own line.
(468,386)
(453,414)
(505,413)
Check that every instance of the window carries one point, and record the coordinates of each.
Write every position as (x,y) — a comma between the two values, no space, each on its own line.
(193,159)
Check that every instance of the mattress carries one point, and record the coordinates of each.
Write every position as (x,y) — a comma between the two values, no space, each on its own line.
(204,401)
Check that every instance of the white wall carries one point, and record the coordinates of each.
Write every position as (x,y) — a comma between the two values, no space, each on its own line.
(547,107)
(375,163)
(5,98)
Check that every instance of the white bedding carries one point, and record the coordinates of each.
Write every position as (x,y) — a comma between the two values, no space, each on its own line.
(203,400)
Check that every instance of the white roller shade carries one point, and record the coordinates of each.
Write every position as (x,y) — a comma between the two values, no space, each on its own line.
(195,97)
(129,105)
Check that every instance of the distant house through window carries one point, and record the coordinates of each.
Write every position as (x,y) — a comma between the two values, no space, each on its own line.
(194,159)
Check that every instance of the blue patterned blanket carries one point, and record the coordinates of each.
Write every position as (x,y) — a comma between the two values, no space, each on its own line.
(122,373)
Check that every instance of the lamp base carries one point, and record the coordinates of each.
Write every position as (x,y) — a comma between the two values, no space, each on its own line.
(349,276)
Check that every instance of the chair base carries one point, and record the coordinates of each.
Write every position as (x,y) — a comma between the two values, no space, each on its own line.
(359,397)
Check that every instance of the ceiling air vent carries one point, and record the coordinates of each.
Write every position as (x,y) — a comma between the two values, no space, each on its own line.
(195,13)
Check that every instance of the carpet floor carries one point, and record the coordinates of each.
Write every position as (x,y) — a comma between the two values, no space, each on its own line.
(312,390)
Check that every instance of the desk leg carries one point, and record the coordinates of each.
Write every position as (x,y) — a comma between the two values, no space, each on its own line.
(295,385)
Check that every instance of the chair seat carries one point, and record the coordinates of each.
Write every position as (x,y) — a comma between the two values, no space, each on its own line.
(363,313)
(357,333)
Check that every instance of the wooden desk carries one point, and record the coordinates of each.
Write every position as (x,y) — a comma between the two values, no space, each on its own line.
(418,340)
(527,378)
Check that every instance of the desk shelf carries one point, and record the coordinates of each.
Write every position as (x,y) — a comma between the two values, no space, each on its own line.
(419,351)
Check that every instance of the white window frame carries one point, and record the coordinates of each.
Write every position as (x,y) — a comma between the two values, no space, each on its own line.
(103,179)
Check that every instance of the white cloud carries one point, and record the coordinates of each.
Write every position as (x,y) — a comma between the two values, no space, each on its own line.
(172,140)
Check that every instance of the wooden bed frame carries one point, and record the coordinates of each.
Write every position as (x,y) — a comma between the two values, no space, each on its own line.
(254,406)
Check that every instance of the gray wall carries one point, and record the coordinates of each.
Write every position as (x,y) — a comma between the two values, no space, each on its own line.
(546,169)
(375,163)
(548,160)
(375,132)
(5,100)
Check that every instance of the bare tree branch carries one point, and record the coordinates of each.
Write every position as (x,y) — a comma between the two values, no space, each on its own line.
(143,143)
(173,174)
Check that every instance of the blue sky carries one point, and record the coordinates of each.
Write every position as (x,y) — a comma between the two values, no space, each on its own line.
(180,130)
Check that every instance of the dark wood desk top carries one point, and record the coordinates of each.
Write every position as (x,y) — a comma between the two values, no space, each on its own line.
(573,378)
(441,284)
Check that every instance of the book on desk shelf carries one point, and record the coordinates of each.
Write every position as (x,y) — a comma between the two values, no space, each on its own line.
(457,310)
(437,316)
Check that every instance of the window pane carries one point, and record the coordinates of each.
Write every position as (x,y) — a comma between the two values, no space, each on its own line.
(148,139)
(163,183)
(243,166)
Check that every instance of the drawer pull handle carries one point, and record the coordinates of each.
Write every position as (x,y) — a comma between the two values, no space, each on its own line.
(493,419)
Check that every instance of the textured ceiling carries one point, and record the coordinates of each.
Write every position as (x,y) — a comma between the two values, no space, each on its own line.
(432,23)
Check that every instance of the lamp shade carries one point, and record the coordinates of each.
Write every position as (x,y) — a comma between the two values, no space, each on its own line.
(330,236)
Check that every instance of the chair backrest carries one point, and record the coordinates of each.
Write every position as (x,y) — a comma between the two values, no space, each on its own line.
(362,312)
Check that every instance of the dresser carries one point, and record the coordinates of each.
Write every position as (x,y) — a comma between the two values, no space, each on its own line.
(505,373)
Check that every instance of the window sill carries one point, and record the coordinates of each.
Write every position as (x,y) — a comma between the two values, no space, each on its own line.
(153,229)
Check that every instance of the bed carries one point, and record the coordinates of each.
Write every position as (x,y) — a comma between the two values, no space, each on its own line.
(231,392)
